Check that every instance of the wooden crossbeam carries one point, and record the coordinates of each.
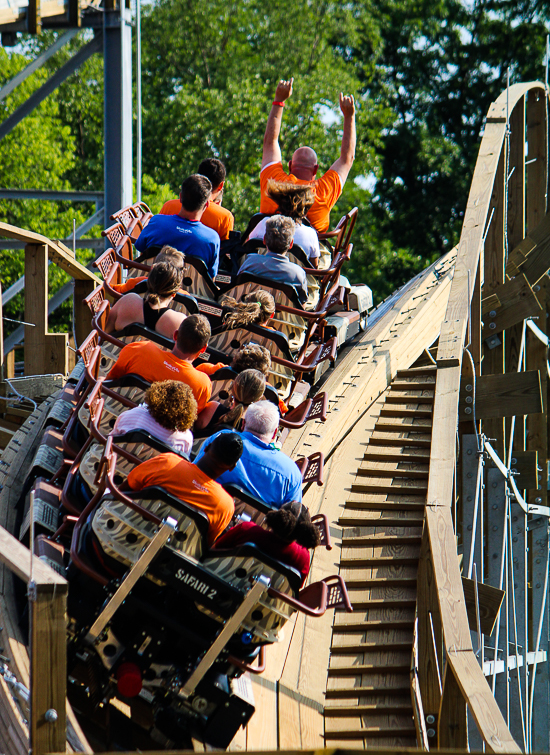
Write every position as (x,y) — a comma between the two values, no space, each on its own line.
(57,252)
(506,395)
(490,599)
(525,464)
(532,255)
(516,301)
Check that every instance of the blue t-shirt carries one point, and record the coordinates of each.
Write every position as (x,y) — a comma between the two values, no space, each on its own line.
(187,236)
(263,471)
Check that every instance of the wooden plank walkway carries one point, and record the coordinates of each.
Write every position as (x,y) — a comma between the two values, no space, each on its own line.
(368,701)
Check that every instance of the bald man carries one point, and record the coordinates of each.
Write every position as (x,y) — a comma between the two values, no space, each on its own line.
(303,166)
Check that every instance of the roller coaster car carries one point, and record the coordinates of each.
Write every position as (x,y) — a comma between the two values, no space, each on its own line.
(175,623)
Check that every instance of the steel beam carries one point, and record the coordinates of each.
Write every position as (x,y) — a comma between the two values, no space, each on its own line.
(34,65)
(52,196)
(117,55)
(51,85)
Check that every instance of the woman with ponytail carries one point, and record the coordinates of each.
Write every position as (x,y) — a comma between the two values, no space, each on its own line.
(154,310)
(247,388)
(255,308)
(289,536)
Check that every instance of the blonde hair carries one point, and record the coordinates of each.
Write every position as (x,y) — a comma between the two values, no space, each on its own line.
(248,387)
(164,280)
(292,200)
(169,254)
(255,307)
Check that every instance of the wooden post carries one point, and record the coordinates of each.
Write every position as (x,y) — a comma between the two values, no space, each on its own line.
(44,352)
(494,264)
(36,307)
(82,314)
(452,725)
(427,607)
(536,152)
(48,665)
(48,645)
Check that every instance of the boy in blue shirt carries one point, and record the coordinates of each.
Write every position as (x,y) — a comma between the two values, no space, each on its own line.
(184,231)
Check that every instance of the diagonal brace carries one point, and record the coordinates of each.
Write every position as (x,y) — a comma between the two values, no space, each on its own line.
(51,85)
(34,65)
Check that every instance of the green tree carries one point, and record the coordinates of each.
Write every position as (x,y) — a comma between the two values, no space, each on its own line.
(439,66)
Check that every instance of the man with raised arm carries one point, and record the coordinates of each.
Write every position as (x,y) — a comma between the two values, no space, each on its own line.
(303,166)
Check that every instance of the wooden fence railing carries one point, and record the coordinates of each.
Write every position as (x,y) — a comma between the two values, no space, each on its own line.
(47,593)
(45,352)
(451,679)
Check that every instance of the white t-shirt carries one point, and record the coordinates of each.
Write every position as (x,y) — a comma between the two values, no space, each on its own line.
(305,237)
(140,419)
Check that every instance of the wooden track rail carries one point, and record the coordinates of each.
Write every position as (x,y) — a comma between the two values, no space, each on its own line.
(443,602)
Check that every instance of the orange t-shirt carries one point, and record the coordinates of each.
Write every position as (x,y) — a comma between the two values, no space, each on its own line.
(327,190)
(187,482)
(209,368)
(131,283)
(148,360)
(215,216)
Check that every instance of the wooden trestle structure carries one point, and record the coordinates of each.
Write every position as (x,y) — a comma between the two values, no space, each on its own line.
(436,447)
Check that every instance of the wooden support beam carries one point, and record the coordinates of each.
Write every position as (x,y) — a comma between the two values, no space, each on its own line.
(82,314)
(536,355)
(452,723)
(539,236)
(517,300)
(18,560)
(44,352)
(525,465)
(537,131)
(490,599)
(75,13)
(430,640)
(516,172)
(514,393)
(34,17)
(493,262)
(48,656)
(36,308)
(57,251)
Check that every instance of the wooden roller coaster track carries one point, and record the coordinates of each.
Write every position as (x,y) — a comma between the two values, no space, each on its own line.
(401,671)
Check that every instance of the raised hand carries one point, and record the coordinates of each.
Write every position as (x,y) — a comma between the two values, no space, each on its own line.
(347,104)
(284,90)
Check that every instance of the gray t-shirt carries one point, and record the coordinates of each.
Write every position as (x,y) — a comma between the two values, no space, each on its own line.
(277,267)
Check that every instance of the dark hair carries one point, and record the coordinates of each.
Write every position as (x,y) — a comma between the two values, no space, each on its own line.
(163,280)
(248,387)
(172,404)
(195,192)
(292,200)
(193,334)
(279,233)
(214,170)
(227,448)
(252,356)
(255,307)
(290,526)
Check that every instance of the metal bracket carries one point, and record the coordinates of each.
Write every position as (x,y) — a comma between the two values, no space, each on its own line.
(252,597)
(160,539)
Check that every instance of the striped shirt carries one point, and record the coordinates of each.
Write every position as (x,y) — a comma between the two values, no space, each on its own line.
(140,419)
